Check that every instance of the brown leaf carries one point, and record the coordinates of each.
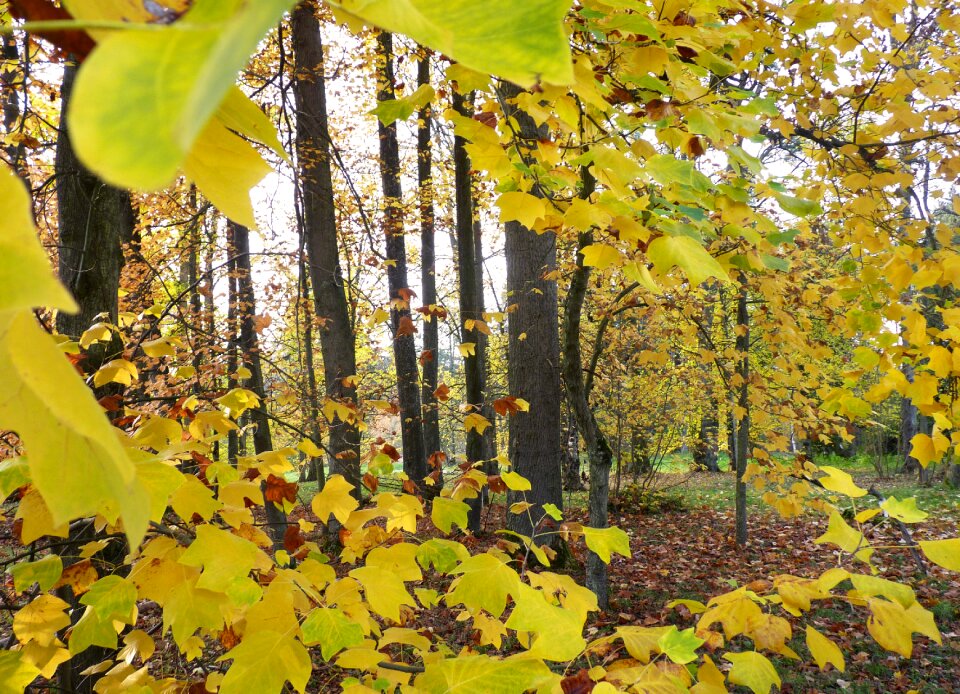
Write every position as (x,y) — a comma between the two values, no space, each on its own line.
(405,327)
(278,489)
(488,118)
(436,459)
(293,538)
(442,393)
(496,484)
(391,451)
(409,487)
(505,406)
(228,639)
(371,482)
(426,356)
(406,293)
(110,403)
(577,684)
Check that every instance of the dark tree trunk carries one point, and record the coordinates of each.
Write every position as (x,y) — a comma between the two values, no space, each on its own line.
(319,221)
(428,281)
(233,338)
(471,308)
(571,455)
(250,349)
(533,351)
(743,403)
(404,347)
(705,448)
(11,83)
(94,220)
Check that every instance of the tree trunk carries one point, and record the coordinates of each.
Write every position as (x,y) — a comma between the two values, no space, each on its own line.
(705,448)
(337,345)
(250,349)
(533,351)
(404,347)
(94,220)
(743,417)
(471,308)
(428,280)
(11,82)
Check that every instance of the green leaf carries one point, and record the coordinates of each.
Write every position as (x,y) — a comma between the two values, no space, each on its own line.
(112,597)
(223,556)
(332,629)
(552,511)
(264,661)
(753,670)
(44,572)
(945,553)
(391,110)
(604,541)
(447,512)
(523,42)
(680,646)
(90,631)
(144,95)
(443,555)
(667,169)
(480,674)
(798,206)
(688,255)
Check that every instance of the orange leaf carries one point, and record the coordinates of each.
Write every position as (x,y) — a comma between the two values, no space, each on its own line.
(278,489)
(405,327)
(79,577)
(370,482)
(442,393)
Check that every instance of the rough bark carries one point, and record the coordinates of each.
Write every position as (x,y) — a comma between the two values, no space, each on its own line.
(319,221)
(705,449)
(533,351)
(428,283)
(94,220)
(471,308)
(250,349)
(404,347)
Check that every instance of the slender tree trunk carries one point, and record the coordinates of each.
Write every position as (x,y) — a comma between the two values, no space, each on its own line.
(743,416)
(428,280)
(404,347)
(233,337)
(533,350)
(11,82)
(250,349)
(94,220)
(705,449)
(471,308)
(337,345)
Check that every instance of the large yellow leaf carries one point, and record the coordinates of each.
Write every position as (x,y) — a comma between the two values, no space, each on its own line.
(846,538)
(892,626)
(145,94)
(600,255)
(264,661)
(15,672)
(332,629)
(521,207)
(223,556)
(558,632)
(334,499)
(384,591)
(480,674)
(604,541)
(946,553)
(840,482)
(824,650)
(447,512)
(523,42)
(188,608)
(40,620)
(753,670)
(484,584)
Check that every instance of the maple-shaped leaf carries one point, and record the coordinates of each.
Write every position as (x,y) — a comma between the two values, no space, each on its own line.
(384,591)
(332,629)
(689,255)
(91,631)
(475,422)
(558,631)
(405,327)
(400,559)
(521,207)
(442,393)
(480,674)
(753,670)
(443,555)
(40,620)
(44,572)
(484,584)
(113,598)
(189,608)
(264,661)
(223,556)
(600,255)
(510,405)
(447,512)
(278,490)
(335,498)
(467,349)
(680,646)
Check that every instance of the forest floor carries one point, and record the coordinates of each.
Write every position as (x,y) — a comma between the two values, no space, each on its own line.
(688,552)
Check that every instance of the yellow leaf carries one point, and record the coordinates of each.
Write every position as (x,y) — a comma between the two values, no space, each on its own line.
(753,670)
(40,620)
(117,371)
(264,661)
(160,347)
(604,541)
(558,632)
(379,316)
(310,448)
(484,584)
(824,650)
(223,556)
(98,332)
(481,674)
(922,448)
(475,422)
(521,207)
(16,671)
(892,626)
(905,511)
(600,255)
(709,679)
(467,349)
(845,537)
(384,591)
(945,553)
(689,255)
(447,512)
(515,481)
(335,498)
(640,273)
(237,401)
(840,482)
